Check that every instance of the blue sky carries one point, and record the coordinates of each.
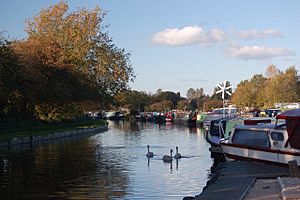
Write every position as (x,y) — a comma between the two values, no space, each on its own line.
(176,45)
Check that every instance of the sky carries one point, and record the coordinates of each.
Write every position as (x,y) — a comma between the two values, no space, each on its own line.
(176,45)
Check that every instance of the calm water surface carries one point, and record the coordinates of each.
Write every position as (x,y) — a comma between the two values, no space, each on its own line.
(109,165)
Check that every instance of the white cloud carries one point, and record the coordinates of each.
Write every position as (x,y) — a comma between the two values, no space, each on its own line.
(188,35)
(253,34)
(258,52)
(197,35)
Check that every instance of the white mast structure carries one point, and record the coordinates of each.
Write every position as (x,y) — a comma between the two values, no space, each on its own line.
(224,89)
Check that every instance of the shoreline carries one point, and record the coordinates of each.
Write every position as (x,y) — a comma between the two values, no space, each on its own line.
(29,140)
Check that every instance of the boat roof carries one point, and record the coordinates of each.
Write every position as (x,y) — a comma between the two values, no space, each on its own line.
(258,126)
(290,115)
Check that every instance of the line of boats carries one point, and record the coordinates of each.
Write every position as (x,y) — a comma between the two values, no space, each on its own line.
(191,118)
(268,139)
(272,140)
(110,115)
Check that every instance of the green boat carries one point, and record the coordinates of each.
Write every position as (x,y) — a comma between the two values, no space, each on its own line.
(200,119)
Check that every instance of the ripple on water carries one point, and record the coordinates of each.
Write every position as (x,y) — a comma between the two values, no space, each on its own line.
(110,165)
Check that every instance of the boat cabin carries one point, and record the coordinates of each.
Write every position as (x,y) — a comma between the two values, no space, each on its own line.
(261,136)
(277,143)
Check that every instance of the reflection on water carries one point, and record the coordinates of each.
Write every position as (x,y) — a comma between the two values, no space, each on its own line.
(109,165)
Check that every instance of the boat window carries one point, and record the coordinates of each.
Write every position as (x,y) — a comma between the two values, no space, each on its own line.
(277,136)
(251,138)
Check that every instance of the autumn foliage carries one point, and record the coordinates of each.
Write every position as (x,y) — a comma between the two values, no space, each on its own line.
(66,65)
(265,91)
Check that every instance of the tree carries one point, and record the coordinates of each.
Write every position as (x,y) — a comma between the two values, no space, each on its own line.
(158,91)
(167,95)
(195,93)
(71,60)
(260,91)
(271,71)
(182,104)
(192,105)
(161,106)
(290,87)
(196,98)
(212,104)
(256,90)
(250,93)
(191,93)
(12,84)
(242,96)
(133,100)
(283,87)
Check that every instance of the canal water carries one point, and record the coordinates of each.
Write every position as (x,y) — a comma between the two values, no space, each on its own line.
(109,165)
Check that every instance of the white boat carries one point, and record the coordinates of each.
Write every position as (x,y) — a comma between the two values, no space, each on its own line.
(219,113)
(276,143)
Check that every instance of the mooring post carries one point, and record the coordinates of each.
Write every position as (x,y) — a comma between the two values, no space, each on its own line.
(294,169)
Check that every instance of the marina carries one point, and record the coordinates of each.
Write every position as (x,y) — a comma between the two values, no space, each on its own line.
(110,165)
(136,100)
(131,159)
(271,152)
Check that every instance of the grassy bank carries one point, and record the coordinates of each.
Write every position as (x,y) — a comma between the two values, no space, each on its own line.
(35,128)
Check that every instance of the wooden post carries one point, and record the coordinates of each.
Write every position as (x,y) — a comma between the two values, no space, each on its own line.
(294,169)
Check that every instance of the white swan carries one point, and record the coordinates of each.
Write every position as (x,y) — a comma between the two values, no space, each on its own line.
(149,154)
(168,158)
(177,155)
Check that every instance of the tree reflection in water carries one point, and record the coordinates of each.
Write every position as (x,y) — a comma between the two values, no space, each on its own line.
(109,165)
(62,170)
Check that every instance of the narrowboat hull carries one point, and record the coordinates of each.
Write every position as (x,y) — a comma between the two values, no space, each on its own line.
(244,152)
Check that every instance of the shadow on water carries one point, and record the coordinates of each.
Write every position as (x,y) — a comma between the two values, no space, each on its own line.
(110,165)
(61,170)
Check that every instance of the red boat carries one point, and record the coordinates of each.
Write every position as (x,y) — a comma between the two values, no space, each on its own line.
(170,116)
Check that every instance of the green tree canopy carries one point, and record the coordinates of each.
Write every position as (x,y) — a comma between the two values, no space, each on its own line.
(162,106)
(196,98)
(133,99)
(13,85)
(167,95)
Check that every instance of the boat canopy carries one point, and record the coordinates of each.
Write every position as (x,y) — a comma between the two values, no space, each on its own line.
(290,114)
(292,118)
